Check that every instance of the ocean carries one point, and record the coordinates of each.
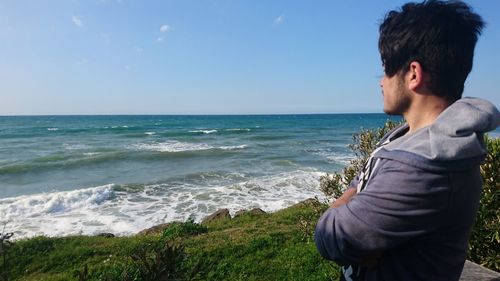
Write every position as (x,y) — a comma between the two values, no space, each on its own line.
(64,175)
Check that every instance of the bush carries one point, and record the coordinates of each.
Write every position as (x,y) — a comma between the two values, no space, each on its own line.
(362,145)
(4,251)
(188,228)
(484,244)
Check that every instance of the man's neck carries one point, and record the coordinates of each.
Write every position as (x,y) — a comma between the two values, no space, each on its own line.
(423,112)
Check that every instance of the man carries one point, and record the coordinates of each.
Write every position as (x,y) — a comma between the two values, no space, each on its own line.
(408,215)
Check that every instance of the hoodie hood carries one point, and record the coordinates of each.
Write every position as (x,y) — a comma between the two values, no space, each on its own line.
(455,139)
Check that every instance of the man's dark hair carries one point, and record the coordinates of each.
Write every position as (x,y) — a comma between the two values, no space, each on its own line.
(440,35)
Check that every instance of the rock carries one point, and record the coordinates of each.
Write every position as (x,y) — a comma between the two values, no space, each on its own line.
(218,215)
(310,201)
(254,211)
(155,229)
(106,234)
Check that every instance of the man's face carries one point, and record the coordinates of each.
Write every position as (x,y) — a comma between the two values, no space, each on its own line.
(396,97)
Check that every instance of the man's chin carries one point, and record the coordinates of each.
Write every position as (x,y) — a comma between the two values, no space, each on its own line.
(392,112)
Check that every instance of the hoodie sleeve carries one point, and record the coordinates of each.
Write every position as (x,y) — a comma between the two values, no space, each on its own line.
(399,203)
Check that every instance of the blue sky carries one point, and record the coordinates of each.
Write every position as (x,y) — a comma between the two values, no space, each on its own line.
(205,56)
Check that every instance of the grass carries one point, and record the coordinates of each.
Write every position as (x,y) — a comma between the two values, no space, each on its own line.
(277,246)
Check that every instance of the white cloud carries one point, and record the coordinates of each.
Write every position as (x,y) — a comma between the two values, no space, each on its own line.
(77,20)
(159,39)
(164,28)
(279,20)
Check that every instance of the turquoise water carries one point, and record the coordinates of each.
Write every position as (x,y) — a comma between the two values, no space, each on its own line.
(62,175)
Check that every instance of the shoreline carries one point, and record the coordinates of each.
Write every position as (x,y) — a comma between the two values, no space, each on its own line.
(228,214)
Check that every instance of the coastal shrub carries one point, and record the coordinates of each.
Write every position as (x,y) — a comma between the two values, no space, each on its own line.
(484,243)
(180,229)
(5,244)
(307,220)
(162,264)
(363,143)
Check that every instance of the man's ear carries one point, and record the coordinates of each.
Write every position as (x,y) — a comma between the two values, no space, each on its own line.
(416,76)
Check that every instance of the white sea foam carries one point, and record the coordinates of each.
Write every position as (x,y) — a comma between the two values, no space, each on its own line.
(173,146)
(75,146)
(233,147)
(150,133)
(177,146)
(55,202)
(270,193)
(340,159)
(52,129)
(204,131)
(238,129)
(103,209)
(56,213)
(334,157)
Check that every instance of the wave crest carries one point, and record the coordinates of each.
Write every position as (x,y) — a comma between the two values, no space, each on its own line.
(204,131)
(55,202)
(177,146)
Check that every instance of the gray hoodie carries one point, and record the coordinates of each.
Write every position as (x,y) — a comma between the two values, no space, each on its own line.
(418,205)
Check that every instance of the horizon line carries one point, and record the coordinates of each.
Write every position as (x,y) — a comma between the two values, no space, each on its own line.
(188,114)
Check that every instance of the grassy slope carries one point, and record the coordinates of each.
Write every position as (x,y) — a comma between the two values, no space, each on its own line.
(276,246)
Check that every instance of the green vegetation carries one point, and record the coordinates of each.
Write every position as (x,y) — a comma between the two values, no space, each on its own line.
(94,258)
(276,246)
(484,244)
(362,145)
(178,229)
(4,252)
